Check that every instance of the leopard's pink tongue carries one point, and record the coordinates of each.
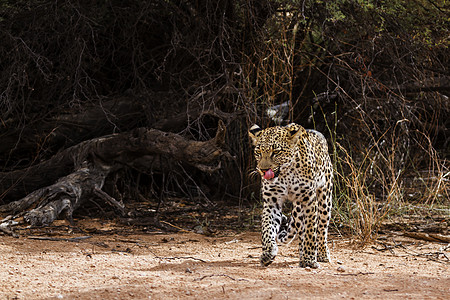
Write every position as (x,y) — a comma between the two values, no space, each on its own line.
(269,174)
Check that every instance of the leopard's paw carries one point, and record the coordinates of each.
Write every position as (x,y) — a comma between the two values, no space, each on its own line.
(323,258)
(266,259)
(309,263)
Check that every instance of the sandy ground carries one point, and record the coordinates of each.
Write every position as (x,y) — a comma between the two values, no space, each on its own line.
(157,265)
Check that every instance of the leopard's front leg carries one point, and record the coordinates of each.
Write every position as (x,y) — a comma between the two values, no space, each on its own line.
(271,220)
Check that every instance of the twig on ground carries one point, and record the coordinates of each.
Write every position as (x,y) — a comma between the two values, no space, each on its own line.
(431,237)
(47,238)
(430,255)
(354,274)
(232,241)
(219,275)
(256,247)
(129,241)
(179,228)
(388,247)
(178,257)
(433,256)
(182,257)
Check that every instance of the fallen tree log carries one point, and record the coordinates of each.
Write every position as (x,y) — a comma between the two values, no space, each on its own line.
(91,163)
(431,237)
(68,128)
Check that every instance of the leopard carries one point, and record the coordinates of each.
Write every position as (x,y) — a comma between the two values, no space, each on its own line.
(295,166)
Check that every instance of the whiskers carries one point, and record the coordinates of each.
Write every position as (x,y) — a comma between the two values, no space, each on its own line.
(253,174)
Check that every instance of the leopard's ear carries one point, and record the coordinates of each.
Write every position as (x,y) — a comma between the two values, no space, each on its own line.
(254,133)
(295,132)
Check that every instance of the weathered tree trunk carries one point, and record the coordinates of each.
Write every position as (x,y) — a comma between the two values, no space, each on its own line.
(68,128)
(91,163)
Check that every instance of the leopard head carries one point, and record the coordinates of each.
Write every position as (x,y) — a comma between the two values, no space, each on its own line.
(275,147)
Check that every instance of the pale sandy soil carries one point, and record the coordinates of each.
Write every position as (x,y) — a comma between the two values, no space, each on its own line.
(191,266)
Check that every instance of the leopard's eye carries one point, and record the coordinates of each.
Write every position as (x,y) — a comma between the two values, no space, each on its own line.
(276,151)
(257,152)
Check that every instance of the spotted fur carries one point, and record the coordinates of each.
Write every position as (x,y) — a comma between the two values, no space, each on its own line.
(303,175)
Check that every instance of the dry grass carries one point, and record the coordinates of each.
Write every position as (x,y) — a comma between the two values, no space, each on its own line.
(370,187)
